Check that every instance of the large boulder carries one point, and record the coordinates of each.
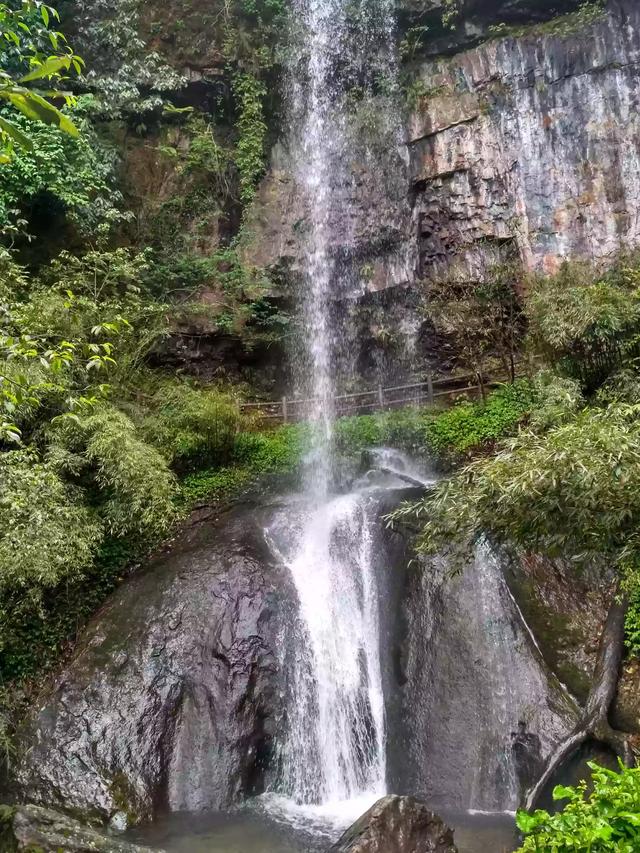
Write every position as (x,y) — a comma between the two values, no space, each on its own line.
(32,828)
(397,825)
(475,711)
(171,698)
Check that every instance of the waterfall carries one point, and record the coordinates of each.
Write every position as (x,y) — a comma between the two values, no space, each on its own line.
(334,748)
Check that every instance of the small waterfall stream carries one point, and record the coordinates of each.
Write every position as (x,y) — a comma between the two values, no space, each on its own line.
(335,747)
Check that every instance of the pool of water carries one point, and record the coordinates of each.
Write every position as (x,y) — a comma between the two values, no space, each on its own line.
(264,830)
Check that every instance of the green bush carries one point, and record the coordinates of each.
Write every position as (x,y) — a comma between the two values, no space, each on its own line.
(468,426)
(73,175)
(46,533)
(133,477)
(278,451)
(585,325)
(194,427)
(605,819)
(35,633)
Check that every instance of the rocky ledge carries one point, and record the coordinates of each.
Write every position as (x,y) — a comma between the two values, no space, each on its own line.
(32,828)
(397,825)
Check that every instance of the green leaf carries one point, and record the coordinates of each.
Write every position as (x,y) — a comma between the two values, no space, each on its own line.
(15,133)
(51,67)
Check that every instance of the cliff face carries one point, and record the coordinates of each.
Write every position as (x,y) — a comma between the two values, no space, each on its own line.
(527,142)
(531,143)
(518,145)
(525,147)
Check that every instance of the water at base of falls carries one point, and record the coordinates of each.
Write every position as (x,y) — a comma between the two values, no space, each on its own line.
(332,761)
(251,830)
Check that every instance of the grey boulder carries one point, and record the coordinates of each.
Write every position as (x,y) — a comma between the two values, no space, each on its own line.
(171,700)
(397,825)
(33,828)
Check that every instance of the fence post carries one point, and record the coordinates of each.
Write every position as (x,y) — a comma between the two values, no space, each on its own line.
(285,412)
(430,388)
(380,397)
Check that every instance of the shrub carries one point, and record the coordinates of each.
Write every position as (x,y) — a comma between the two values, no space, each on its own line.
(72,175)
(470,425)
(132,485)
(586,325)
(279,451)
(585,471)
(605,819)
(194,427)
(46,533)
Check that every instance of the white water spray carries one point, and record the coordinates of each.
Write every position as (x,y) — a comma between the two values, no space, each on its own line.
(333,753)
(335,749)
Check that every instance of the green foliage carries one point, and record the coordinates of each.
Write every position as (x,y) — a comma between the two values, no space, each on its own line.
(254,455)
(62,174)
(558,400)
(213,485)
(194,427)
(412,42)
(468,426)
(26,42)
(249,93)
(203,179)
(127,79)
(57,348)
(135,487)
(46,534)
(631,587)
(605,819)
(451,13)
(585,471)
(586,325)
(36,632)
(586,15)
(279,451)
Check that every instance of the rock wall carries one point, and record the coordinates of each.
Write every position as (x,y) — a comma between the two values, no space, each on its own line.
(171,699)
(524,146)
(529,143)
(478,709)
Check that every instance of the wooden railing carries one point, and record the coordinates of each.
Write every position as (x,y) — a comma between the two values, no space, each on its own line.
(428,391)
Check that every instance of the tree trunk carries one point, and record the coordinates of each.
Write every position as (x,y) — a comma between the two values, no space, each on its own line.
(594,722)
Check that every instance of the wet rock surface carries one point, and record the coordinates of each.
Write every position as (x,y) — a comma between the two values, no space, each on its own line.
(32,828)
(566,608)
(477,709)
(490,165)
(170,702)
(397,825)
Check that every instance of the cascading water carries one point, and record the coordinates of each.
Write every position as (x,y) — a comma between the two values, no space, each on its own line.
(334,749)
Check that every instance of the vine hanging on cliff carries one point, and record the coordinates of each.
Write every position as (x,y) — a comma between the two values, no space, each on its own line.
(249,93)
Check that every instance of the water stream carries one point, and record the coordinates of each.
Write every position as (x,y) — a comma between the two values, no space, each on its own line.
(333,757)
(335,746)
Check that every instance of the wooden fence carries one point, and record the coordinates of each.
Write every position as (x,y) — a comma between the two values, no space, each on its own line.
(427,392)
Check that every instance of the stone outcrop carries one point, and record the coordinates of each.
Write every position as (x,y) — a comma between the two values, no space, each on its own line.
(475,710)
(529,145)
(170,701)
(32,828)
(397,825)
(525,145)
(566,609)
(522,147)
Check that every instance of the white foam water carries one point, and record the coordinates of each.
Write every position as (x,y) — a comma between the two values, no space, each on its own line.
(334,750)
